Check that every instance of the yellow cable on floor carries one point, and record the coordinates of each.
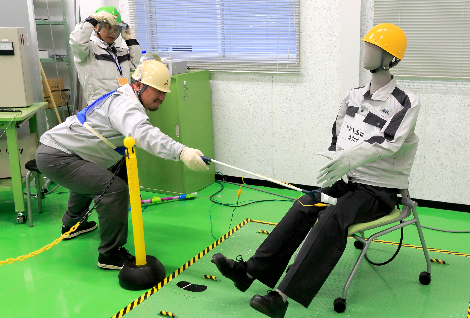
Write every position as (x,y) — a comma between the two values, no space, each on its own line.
(48,246)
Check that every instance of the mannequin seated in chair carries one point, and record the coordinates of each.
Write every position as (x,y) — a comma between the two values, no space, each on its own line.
(372,151)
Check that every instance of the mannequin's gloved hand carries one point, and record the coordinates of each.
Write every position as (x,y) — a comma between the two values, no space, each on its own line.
(127,34)
(327,154)
(345,161)
(103,15)
(192,159)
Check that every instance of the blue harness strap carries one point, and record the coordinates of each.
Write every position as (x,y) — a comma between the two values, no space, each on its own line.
(81,116)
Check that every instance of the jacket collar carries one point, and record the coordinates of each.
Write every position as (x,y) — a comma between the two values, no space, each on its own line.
(102,44)
(128,90)
(383,93)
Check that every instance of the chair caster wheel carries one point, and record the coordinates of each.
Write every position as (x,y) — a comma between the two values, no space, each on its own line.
(359,245)
(425,278)
(339,304)
(21,218)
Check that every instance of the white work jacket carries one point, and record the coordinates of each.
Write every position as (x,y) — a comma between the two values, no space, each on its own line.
(116,117)
(100,65)
(386,120)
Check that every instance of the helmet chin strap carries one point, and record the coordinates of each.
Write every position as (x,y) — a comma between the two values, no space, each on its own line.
(144,86)
(380,68)
(393,63)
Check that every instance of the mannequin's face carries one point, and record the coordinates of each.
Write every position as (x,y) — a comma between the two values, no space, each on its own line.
(372,58)
(375,57)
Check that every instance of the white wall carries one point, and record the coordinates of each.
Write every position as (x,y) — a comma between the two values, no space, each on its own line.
(275,124)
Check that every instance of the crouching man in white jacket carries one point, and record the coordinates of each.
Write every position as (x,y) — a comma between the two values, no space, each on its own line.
(83,153)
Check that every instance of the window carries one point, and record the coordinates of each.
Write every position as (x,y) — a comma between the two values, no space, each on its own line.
(222,35)
(438,34)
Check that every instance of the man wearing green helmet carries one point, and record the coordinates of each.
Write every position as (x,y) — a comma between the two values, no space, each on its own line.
(103,66)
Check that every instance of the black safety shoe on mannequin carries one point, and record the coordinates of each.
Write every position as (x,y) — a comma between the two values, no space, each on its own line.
(271,305)
(115,259)
(233,270)
(81,229)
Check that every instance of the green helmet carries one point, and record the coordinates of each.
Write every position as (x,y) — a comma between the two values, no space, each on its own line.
(113,11)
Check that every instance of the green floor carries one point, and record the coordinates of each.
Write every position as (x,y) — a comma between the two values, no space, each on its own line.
(66,282)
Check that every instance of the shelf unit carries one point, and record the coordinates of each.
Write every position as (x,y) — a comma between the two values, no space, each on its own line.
(41,23)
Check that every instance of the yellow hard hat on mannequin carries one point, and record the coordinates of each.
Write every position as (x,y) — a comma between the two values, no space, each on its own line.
(389,37)
(155,74)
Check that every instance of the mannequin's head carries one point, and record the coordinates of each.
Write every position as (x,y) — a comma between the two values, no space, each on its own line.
(385,46)
(376,58)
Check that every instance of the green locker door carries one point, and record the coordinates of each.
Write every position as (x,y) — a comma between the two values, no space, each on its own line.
(185,116)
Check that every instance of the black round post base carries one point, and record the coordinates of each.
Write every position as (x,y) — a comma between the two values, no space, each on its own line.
(133,277)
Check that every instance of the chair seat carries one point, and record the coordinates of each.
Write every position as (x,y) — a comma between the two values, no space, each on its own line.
(31,166)
(394,216)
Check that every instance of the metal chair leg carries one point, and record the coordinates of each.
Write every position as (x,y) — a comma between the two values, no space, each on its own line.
(37,177)
(28,199)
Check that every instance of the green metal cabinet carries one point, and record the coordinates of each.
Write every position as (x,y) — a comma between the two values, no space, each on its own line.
(185,116)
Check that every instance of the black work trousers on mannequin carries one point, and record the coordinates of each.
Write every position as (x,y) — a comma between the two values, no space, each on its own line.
(322,249)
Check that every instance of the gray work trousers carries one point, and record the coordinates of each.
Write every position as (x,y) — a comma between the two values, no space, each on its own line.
(86,181)
(325,244)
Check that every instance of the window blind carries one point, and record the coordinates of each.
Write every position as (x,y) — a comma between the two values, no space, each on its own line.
(438,34)
(221,35)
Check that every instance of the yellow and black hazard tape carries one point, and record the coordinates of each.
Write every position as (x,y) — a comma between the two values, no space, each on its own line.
(209,277)
(262,222)
(264,232)
(223,238)
(170,277)
(468,314)
(439,261)
(167,313)
(420,248)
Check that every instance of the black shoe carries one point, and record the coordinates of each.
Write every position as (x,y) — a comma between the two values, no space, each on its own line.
(81,229)
(115,259)
(271,305)
(233,270)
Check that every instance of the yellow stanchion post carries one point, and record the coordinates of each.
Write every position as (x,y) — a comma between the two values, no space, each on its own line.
(136,206)
(146,271)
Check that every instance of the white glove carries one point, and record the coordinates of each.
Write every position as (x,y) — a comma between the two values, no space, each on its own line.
(327,154)
(192,159)
(345,161)
(127,34)
(103,15)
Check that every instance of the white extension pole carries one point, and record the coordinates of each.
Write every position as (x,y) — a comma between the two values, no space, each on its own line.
(324,197)
(258,175)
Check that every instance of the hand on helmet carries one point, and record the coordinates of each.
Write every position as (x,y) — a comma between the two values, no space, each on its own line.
(103,16)
(192,159)
(127,34)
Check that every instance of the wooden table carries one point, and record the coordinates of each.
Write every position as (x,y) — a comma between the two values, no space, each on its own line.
(10,121)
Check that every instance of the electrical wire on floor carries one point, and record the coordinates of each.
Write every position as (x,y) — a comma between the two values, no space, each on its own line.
(398,248)
(237,205)
(222,187)
(441,230)
(238,199)
(210,219)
